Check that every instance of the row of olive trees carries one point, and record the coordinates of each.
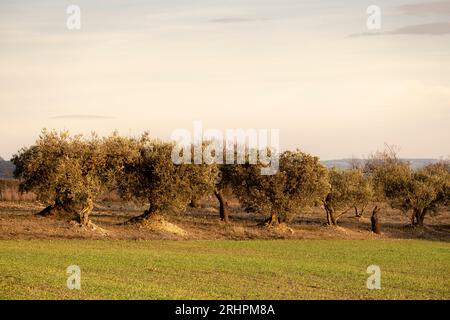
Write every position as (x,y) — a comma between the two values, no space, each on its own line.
(68,173)
(416,191)
(387,179)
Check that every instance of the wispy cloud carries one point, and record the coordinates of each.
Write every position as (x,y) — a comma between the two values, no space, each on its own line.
(366,34)
(82,117)
(427,29)
(236,20)
(425,8)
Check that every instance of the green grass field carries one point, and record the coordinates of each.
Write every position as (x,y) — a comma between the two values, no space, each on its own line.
(313,269)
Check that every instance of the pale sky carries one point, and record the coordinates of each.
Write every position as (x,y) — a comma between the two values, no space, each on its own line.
(309,68)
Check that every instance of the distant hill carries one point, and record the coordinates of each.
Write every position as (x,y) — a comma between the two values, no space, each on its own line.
(6,169)
(346,163)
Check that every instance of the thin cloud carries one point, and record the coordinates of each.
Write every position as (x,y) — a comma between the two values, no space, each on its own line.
(366,34)
(82,117)
(431,8)
(236,20)
(427,29)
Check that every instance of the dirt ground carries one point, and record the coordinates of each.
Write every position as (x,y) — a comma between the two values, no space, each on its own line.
(18,221)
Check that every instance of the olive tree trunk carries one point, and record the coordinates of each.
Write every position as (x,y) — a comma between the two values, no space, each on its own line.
(376,228)
(83,215)
(418,217)
(272,221)
(151,214)
(331,220)
(59,209)
(223,209)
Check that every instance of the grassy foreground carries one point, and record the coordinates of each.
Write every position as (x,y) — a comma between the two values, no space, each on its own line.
(285,269)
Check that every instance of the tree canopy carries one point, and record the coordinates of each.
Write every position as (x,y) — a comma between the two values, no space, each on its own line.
(300,181)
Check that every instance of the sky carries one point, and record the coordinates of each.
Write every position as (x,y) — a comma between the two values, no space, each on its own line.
(311,69)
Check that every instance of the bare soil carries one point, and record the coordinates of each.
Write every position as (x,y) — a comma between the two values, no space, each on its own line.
(18,220)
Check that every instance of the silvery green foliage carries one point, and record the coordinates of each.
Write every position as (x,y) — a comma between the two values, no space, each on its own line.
(300,182)
(154,178)
(418,192)
(61,168)
(349,189)
(69,172)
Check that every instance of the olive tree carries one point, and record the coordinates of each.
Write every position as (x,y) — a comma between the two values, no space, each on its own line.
(349,189)
(39,168)
(84,169)
(65,172)
(390,178)
(154,178)
(301,181)
(428,191)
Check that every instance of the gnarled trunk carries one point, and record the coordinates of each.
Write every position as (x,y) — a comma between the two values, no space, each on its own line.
(376,228)
(418,217)
(272,221)
(331,220)
(149,215)
(83,215)
(59,209)
(422,217)
(223,209)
